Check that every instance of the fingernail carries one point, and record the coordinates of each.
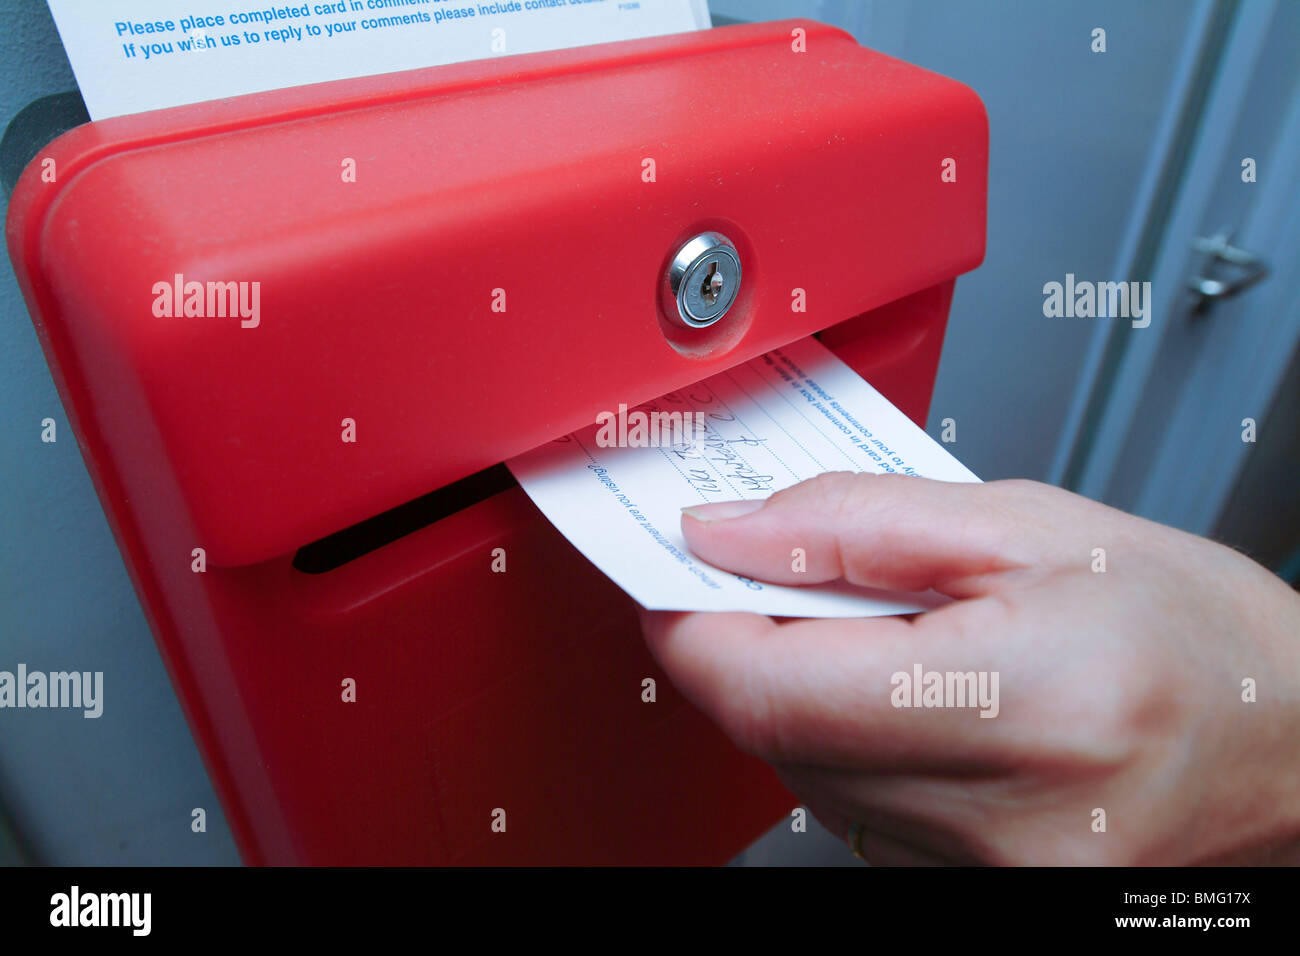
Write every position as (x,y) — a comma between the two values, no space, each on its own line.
(722,510)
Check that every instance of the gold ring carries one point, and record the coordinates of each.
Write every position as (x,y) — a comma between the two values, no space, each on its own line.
(855,841)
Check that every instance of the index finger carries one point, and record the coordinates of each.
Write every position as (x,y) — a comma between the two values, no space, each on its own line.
(823,691)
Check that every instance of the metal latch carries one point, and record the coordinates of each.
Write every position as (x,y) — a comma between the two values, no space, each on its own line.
(1208,289)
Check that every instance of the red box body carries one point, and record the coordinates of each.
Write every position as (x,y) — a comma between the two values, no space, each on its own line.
(519,181)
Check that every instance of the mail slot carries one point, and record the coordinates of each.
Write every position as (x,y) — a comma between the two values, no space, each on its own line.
(297,333)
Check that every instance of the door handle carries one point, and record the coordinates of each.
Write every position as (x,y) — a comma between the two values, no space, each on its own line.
(1249,267)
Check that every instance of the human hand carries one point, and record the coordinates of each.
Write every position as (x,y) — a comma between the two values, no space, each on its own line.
(1120,691)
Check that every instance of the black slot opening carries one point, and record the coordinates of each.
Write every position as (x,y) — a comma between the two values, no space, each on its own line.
(351,543)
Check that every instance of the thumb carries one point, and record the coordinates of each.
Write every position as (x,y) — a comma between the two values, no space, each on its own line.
(898,532)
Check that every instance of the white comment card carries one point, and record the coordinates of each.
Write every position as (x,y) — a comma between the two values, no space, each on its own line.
(136,55)
(770,423)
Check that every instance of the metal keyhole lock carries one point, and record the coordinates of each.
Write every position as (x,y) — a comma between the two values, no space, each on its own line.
(711,287)
(703,280)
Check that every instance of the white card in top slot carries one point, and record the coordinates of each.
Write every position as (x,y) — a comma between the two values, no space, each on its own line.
(135,55)
(772,422)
